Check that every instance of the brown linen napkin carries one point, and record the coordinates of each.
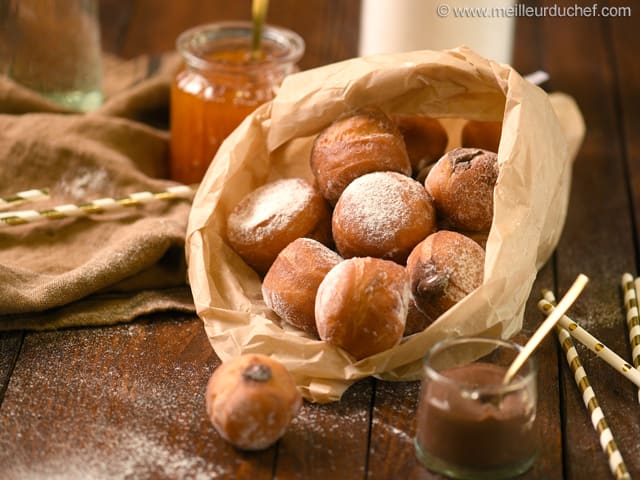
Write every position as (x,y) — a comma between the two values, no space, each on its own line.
(107,268)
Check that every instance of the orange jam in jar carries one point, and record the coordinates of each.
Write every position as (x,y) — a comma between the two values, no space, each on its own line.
(219,85)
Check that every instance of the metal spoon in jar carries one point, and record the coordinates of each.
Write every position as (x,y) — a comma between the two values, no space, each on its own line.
(259,15)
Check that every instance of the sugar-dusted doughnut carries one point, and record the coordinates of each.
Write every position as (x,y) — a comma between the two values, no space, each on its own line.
(461,184)
(251,400)
(383,215)
(443,269)
(362,304)
(269,218)
(360,142)
(289,288)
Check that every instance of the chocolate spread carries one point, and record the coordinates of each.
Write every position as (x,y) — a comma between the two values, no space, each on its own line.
(475,432)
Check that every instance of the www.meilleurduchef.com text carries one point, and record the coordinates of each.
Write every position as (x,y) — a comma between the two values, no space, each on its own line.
(520,10)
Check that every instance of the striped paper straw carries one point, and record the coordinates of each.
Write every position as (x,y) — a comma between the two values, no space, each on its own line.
(592,343)
(23,197)
(101,205)
(633,321)
(598,420)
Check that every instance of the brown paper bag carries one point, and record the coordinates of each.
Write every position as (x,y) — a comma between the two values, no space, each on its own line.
(541,135)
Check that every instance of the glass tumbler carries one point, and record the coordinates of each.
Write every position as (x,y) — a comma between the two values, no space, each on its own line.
(470,425)
(53,47)
(220,84)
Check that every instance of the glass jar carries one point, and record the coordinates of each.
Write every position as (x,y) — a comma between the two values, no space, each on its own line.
(470,425)
(53,48)
(219,85)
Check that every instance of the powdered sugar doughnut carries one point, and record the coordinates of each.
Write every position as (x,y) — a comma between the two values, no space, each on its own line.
(461,184)
(383,215)
(361,142)
(272,216)
(443,269)
(362,305)
(251,400)
(289,288)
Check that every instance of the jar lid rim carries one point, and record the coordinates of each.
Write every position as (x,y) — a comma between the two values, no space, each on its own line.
(292,43)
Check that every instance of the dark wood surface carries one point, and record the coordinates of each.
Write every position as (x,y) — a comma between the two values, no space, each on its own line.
(128,401)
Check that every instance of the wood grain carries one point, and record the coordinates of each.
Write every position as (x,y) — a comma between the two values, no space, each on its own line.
(597,241)
(127,401)
(116,402)
(317,442)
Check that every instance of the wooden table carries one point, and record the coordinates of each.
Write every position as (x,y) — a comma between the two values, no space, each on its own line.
(127,401)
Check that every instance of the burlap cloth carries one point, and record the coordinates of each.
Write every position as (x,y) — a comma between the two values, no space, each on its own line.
(106,268)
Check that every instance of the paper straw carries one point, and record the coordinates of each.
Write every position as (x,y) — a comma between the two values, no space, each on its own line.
(633,321)
(543,330)
(591,342)
(23,197)
(598,420)
(538,77)
(101,205)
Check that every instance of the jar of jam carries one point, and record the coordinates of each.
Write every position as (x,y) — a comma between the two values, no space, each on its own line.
(219,85)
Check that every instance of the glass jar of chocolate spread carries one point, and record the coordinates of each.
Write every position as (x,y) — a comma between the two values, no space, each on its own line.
(470,425)
(220,84)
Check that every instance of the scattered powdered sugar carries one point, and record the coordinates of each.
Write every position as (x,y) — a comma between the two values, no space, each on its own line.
(84,182)
(268,209)
(138,455)
(376,206)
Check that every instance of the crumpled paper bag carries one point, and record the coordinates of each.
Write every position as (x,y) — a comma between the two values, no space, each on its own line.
(541,135)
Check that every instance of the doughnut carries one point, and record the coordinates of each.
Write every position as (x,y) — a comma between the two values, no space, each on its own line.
(382,215)
(416,320)
(289,288)
(424,137)
(251,400)
(443,269)
(362,304)
(484,135)
(360,142)
(269,218)
(461,184)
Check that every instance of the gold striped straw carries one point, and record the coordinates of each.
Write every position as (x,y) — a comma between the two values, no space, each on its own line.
(592,343)
(598,420)
(23,197)
(630,293)
(102,205)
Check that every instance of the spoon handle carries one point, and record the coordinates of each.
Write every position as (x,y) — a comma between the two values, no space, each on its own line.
(259,15)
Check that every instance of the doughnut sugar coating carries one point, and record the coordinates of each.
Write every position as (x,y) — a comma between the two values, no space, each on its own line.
(360,142)
(269,218)
(251,400)
(443,269)
(362,305)
(382,215)
(289,288)
(461,184)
